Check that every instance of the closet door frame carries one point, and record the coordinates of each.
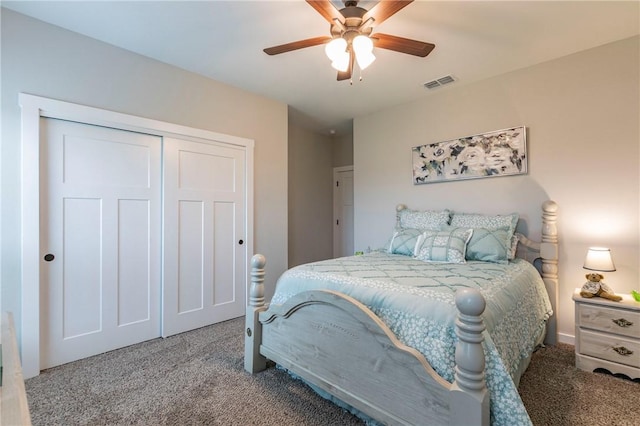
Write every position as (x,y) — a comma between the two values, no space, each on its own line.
(33,108)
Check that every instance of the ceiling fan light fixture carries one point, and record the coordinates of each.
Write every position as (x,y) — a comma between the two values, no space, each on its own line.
(341,63)
(363,48)
(351,40)
(362,44)
(336,48)
(365,59)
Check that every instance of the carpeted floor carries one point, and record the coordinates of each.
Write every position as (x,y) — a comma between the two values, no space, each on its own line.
(197,378)
(556,393)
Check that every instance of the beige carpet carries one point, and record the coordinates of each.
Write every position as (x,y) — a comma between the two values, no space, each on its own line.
(197,378)
(556,393)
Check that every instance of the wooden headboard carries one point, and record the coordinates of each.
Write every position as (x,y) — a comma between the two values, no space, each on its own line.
(544,255)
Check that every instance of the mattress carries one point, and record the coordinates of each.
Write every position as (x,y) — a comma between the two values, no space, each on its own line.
(416,300)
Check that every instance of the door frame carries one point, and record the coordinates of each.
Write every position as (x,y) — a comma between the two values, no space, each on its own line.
(336,205)
(33,108)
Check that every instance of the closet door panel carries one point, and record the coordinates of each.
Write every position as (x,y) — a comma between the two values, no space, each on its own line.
(204,278)
(191,259)
(100,219)
(224,244)
(134,277)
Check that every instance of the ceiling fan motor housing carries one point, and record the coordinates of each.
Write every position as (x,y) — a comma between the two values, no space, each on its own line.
(352,26)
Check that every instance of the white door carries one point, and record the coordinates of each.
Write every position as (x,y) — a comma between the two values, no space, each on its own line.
(101,208)
(343,212)
(205,230)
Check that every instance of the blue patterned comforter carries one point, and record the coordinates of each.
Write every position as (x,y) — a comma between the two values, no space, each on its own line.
(416,300)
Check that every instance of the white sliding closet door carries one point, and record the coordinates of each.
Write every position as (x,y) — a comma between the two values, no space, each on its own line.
(100,222)
(204,234)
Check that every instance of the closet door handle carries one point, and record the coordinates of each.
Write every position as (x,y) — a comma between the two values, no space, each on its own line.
(49,257)
(241,242)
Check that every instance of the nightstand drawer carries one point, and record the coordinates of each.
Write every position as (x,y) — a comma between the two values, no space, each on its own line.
(614,349)
(618,321)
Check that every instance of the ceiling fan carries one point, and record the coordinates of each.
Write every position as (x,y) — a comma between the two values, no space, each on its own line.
(352,38)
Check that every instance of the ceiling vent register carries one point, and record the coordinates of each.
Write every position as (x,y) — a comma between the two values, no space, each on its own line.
(439,82)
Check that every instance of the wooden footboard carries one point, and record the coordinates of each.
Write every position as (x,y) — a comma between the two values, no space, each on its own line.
(337,344)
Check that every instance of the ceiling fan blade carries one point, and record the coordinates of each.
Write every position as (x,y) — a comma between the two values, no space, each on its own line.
(384,9)
(346,75)
(300,44)
(327,10)
(402,45)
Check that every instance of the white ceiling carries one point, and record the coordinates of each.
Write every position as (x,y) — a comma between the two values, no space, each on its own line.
(223,40)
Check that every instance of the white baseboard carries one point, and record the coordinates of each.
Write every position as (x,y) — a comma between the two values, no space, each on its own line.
(569,339)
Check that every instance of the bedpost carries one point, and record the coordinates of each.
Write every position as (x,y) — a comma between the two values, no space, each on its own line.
(469,394)
(549,257)
(399,208)
(253,361)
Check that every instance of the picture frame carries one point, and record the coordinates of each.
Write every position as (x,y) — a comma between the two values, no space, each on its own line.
(497,153)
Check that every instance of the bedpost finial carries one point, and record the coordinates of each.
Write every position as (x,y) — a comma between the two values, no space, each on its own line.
(550,206)
(400,207)
(256,290)
(258,261)
(470,302)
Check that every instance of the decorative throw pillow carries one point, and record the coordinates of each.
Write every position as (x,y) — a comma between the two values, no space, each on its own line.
(489,245)
(428,219)
(473,220)
(447,246)
(514,246)
(404,242)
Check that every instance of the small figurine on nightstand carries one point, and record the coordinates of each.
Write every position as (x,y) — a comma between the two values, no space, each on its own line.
(596,287)
(598,259)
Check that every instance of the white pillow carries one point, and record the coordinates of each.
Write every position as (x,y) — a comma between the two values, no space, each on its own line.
(448,246)
(427,219)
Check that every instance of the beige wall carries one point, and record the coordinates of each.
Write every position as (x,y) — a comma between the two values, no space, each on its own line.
(343,149)
(44,60)
(312,157)
(582,116)
(310,196)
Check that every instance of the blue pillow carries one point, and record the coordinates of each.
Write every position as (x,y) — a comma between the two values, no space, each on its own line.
(404,242)
(490,222)
(489,245)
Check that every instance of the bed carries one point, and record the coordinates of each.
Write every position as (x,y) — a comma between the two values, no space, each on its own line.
(414,334)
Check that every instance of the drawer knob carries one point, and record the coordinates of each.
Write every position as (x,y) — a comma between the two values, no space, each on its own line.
(622,350)
(622,322)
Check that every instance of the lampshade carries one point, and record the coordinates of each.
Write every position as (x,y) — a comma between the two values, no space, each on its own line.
(363,47)
(335,48)
(341,62)
(599,259)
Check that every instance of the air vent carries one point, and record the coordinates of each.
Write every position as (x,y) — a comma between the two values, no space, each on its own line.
(439,82)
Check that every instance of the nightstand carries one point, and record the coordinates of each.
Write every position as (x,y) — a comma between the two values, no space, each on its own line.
(608,334)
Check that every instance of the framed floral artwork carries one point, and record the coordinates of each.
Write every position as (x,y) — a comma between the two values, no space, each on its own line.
(497,153)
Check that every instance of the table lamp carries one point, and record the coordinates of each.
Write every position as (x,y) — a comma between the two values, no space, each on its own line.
(599,259)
